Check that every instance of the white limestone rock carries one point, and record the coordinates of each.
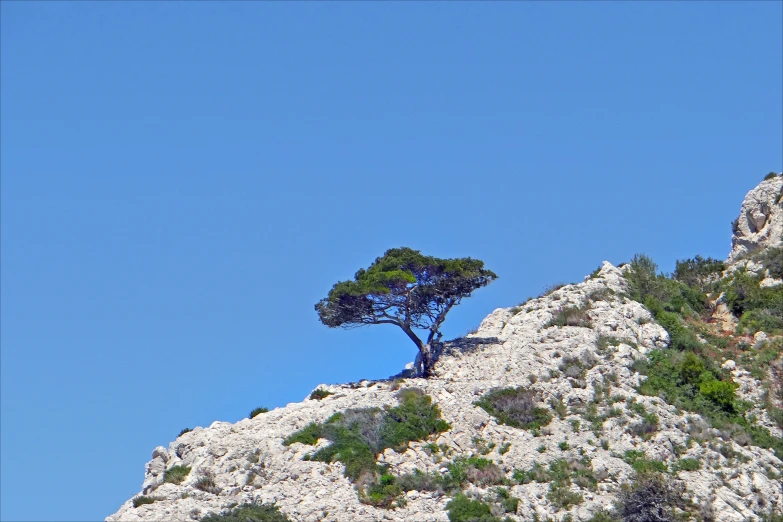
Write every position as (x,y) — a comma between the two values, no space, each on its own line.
(760,222)
(510,348)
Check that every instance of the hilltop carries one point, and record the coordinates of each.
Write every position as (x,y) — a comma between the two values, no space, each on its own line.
(601,400)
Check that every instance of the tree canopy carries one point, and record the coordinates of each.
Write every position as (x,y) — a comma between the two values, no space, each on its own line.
(406,289)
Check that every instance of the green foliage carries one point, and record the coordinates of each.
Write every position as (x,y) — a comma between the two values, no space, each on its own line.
(641,464)
(720,392)
(320,394)
(416,418)
(515,407)
(571,316)
(176,474)
(258,411)
(407,289)
(308,435)
(184,431)
(772,259)
(250,513)
(698,272)
(141,500)
(358,435)
(688,465)
(561,474)
(207,483)
(478,470)
(666,298)
(506,501)
(463,509)
(382,493)
(758,308)
(771,175)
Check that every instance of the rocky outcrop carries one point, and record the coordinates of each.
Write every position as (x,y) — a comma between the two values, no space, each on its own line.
(568,365)
(760,222)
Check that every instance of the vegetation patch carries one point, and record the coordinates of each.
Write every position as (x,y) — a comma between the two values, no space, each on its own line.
(571,316)
(142,500)
(463,509)
(176,474)
(357,436)
(320,394)
(258,411)
(686,375)
(515,407)
(641,464)
(560,475)
(250,513)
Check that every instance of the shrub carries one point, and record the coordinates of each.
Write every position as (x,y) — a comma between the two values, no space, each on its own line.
(250,513)
(358,435)
(382,493)
(699,272)
(207,484)
(688,465)
(141,500)
(308,435)
(720,392)
(477,470)
(771,175)
(184,431)
(258,411)
(551,288)
(420,481)
(571,316)
(641,464)
(515,407)
(508,503)
(320,394)
(176,474)
(650,498)
(772,259)
(561,474)
(462,509)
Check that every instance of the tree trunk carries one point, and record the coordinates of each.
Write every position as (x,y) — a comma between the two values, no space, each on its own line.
(426,360)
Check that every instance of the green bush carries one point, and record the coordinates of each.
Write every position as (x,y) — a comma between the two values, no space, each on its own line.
(382,493)
(141,500)
(308,435)
(641,464)
(688,465)
(772,259)
(358,435)
(320,394)
(699,272)
(571,316)
(720,392)
(176,474)
(184,431)
(515,407)
(477,470)
(250,513)
(462,509)
(258,411)
(771,175)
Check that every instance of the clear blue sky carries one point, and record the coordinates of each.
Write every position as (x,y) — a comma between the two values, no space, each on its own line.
(182,182)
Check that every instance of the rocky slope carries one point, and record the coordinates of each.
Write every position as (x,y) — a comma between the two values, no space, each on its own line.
(585,371)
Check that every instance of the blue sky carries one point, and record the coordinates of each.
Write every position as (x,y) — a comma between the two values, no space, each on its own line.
(182,182)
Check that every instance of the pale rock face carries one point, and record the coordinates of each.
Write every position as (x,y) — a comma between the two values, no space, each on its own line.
(760,223)
(512,347)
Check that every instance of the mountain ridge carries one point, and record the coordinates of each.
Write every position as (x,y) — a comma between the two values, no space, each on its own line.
(580,350)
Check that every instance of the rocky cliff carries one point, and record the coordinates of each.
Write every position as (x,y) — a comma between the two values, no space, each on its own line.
(594,358)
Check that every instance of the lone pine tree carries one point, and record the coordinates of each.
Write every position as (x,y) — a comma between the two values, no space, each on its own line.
(406,289)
